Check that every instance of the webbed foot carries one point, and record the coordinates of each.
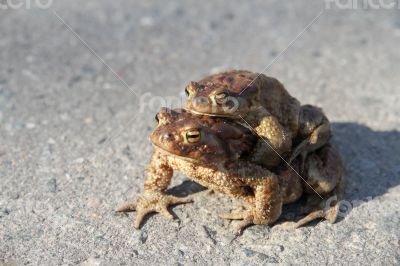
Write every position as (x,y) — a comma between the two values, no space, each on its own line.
(315,208)
(330,215)
(152,202)
(246,216)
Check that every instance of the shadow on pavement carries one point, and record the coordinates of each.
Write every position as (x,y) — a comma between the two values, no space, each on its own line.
(371,158)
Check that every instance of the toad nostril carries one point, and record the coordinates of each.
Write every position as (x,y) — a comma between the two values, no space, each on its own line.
(166,137)
(200,101)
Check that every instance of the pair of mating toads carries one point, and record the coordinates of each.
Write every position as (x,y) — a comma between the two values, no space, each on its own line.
(244,135)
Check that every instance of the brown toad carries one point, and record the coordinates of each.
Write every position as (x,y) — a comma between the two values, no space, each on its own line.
(262,103)
(213,152)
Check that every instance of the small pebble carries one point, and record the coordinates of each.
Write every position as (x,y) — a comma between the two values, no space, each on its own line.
(51,186)
(147,21)
(93,203)
(80,160)
(134,253)
(209,234)
(30,125)
(261,256)
(143,236)
(88,120)
(180,253)
(269,247)
(101,141)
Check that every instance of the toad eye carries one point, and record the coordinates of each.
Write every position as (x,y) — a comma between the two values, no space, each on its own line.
(220,97)
(193,136)
(157,119)
(187,92)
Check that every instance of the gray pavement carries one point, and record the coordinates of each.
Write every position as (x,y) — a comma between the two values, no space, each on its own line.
(74,138)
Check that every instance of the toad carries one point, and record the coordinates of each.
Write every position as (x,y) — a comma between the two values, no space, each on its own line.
(214,153)
(263,104)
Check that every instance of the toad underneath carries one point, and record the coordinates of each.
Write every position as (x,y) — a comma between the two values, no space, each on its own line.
(216,153)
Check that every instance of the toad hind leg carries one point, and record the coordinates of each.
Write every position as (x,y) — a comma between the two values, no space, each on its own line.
(328,208)
(154,199)
(267,206)
(314,131)
(327,178)
(323,170)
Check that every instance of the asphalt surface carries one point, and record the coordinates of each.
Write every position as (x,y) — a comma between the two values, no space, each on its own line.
(81,81)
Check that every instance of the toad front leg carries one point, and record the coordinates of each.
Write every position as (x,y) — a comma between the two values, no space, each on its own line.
(154,199)
(274,140)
